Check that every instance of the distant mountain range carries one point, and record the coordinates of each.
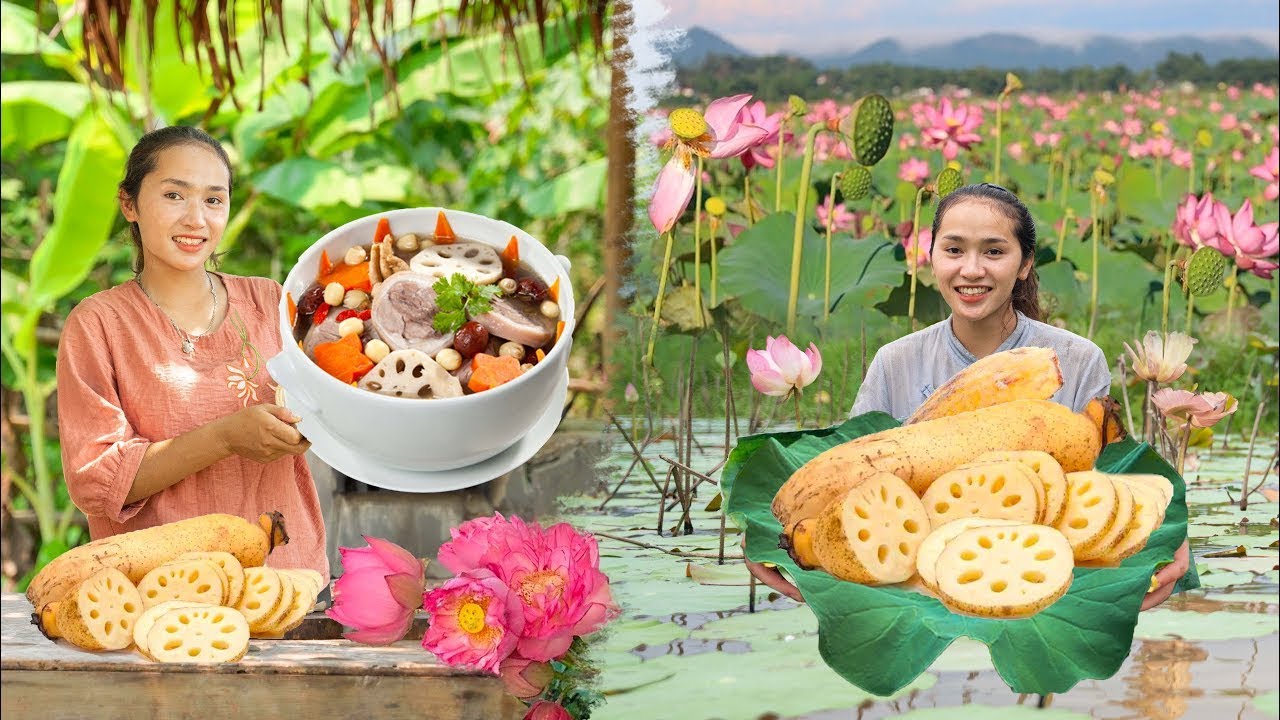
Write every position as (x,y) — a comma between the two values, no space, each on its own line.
(998,50)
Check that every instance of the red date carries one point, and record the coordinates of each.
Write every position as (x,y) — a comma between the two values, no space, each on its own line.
(311,300)
(531,289)
(470,339)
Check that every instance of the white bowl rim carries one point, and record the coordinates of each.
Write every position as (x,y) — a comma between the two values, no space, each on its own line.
(566,336)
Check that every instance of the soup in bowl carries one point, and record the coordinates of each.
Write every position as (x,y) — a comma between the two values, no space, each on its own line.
(431,339)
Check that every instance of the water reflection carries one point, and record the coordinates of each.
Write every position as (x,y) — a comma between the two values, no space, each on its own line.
(1159,681)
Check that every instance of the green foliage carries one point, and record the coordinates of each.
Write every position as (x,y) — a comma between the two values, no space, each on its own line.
(1085,634)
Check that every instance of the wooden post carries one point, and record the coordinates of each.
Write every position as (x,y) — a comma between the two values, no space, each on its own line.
(620,180)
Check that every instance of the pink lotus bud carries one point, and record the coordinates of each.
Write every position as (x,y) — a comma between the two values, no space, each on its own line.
(547,710)
(525,678)
(380,588)
(781,368)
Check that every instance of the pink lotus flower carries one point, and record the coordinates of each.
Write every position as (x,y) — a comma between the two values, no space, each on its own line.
(1180,158)
(914,171)
(781,369)
(755,114)
(380,588)
(841,218)
(1046,139)
(950,128)
(525,678)
(1203,410)
(555,573)
(475,621)
(1195,223)
(922,245)
(726,136)
(547,710)
(1228,122)
(1269,171)
(1016,150)
(1252,246)
(1161,359)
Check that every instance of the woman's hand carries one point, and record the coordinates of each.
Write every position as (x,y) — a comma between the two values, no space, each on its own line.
(262,433)
(1168,576)
(771,576)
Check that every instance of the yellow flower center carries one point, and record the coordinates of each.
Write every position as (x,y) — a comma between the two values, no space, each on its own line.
(687,123)
(544,581)
(471,617)
(715,206)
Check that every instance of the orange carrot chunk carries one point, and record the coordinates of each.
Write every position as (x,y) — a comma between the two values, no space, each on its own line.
(488,372)
(511,255)
(350,277)
(383,230)
(293,308)
(539,355)
(559,330)
(325,265)
(343,359)
(444,233)
(554,290)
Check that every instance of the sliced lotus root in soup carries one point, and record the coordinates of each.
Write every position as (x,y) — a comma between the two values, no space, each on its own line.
(402,314)
(477,262)
(1004,572)
(992,490)
(931,548)
(1092,506)
(872,533)
(411,374)
(518,321)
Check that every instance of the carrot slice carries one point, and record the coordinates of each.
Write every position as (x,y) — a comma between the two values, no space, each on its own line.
(554,290)
(326,266)
(511,255)
(343,358)
(488,372)
(559,330)
(539,354)
(293,309)
(350,277)
(383,230)
(444,232)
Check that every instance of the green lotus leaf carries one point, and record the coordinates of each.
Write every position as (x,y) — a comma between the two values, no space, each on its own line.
(882,638)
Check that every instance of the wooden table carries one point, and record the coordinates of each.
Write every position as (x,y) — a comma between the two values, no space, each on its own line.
(328,679)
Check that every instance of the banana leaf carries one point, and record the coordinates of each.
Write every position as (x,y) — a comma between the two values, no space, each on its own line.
(882,638)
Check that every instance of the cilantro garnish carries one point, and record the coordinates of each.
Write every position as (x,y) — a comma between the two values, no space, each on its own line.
(458,299)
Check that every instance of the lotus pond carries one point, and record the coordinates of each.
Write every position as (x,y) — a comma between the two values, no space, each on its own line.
(688,646)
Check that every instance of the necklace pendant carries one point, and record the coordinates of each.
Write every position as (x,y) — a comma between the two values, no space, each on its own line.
(188,347)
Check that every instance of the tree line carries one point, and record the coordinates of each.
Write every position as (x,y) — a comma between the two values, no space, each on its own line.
(774,78)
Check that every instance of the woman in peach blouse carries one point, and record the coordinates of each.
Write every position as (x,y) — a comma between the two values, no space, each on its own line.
(165,407)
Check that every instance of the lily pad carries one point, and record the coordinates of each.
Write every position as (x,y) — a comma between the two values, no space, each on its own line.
(1162,623)
(774,624)
(993,712)
(1085,634)
(1269,703)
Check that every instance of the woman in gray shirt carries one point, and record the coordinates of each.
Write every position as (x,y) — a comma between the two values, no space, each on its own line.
(984,244)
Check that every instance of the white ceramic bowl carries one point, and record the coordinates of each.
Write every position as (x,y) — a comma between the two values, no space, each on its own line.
(411,433)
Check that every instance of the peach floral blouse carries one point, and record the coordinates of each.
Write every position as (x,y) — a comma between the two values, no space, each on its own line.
(124,382)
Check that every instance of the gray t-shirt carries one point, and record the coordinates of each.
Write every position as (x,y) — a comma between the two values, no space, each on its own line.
(905,372)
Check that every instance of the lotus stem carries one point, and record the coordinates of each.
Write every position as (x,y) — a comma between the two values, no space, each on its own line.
(999,119)
(746,193)
(826,280)
(777,194)
(1182,447)
(1048,190)
(1066,178)
(795,394)
(715,275)
(1191,305)
(914,258)
(657,303)
(1159,177)
(1191,174)
(1093,280)
(797,243)
(1168,280)
(697,244)
(1062,232)
(1231,293)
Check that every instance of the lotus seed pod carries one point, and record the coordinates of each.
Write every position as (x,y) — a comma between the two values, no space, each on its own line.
(1204,138)
(687,123)
(715,206)
(798,105)
(855,182)
(1011,83)
(1205,270)
(871,128)
(1103,178)
(948,181)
